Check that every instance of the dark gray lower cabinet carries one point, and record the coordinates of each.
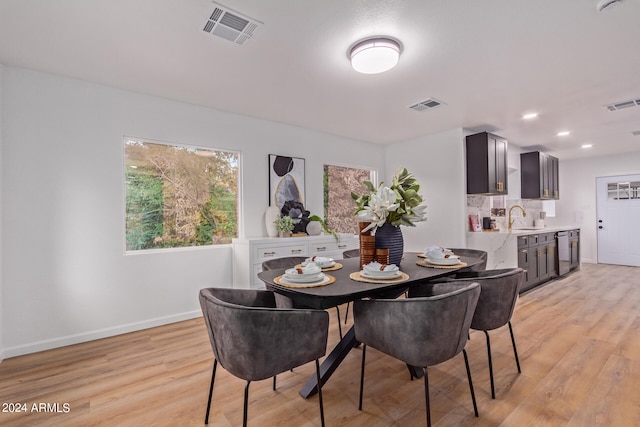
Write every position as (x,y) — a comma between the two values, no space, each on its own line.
(537,256)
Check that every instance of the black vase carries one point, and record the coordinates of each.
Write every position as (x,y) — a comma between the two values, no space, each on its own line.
(390,237)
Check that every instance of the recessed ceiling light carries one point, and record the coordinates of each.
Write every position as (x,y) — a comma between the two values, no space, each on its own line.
(374,55)
(530,116)
(563,133)
(587,146)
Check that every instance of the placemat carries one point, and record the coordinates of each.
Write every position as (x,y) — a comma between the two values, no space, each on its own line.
(328,280)
(359,278)
(336,266)
(425,263)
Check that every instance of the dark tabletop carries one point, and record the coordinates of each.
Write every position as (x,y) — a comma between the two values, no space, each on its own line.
(345,289)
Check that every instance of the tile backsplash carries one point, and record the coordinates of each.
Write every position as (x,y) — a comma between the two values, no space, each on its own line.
(497,207)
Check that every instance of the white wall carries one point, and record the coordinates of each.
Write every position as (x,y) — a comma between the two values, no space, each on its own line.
(1,245)
(437,161)
(578,194)
(66,278)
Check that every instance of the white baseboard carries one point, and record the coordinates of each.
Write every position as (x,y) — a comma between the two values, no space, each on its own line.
(95,335)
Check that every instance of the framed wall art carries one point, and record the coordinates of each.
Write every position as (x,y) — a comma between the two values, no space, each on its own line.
(286,180)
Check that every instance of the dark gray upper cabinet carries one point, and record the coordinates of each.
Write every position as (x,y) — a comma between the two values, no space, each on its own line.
(539,176)
(486,164)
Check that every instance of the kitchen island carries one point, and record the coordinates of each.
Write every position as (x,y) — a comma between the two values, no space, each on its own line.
(544,253)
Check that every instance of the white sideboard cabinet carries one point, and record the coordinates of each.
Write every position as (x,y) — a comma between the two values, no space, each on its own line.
(249,253)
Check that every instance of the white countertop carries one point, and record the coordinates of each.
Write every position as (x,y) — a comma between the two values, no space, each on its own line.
(528,230)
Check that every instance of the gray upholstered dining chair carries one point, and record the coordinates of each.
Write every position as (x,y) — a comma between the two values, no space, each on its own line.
(474,253)
(351,253)
(498,296)
(253,340)
(421,332)
(284,301)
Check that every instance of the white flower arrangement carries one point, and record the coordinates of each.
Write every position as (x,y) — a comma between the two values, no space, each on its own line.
(397,205)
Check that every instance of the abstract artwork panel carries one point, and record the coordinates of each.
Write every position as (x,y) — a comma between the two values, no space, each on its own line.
(286,180)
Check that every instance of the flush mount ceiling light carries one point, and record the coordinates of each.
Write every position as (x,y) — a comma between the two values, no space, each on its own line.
(563,133)
(603,4)
(374,55)
(529,116)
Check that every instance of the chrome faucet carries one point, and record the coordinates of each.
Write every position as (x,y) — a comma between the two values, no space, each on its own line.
(511,220)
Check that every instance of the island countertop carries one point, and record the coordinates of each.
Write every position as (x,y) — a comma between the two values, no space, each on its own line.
(527,230)
(502,246)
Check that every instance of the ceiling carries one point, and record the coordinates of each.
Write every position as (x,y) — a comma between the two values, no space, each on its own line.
(488,61)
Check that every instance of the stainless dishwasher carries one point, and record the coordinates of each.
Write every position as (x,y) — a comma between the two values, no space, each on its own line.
(564,253)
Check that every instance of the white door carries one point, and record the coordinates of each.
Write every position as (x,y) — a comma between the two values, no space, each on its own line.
(618,219)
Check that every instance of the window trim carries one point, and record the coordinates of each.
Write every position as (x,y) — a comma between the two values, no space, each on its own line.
(373,176)
(123,208)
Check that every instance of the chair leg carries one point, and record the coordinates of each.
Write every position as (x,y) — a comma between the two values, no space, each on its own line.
(515,351)
(274,383)
(346,315)
(426,396)
(213,378)
(319,392)
(364,351)
(473,395)
(339,321)
(493,391)
(246,402)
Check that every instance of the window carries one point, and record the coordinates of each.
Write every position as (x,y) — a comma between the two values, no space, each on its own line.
(179,196)
(623,190)
(339,207)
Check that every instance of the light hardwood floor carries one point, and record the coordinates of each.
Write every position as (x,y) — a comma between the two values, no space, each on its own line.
(578,340)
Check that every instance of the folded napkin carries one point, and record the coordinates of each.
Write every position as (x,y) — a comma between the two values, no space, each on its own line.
(376,266)
(319,260)
(436,252)
(310,268)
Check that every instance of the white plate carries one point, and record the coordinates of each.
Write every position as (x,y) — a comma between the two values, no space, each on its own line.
(311,272)
(324,279)
(304,278)
(453,260)
(321,265)
(381,274)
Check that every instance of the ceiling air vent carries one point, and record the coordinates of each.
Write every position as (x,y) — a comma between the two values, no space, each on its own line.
(427,104)
(230,25)
(624,104)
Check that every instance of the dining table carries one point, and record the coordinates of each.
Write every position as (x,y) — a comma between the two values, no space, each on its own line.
(349,286)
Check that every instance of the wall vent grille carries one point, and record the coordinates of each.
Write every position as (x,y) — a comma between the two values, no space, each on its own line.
(624,104)
(427,104)
(230,25)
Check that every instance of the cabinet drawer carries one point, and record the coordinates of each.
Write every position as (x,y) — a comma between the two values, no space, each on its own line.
(267,252)
(523,242)
(318,248)
(323,247)
(534,240)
